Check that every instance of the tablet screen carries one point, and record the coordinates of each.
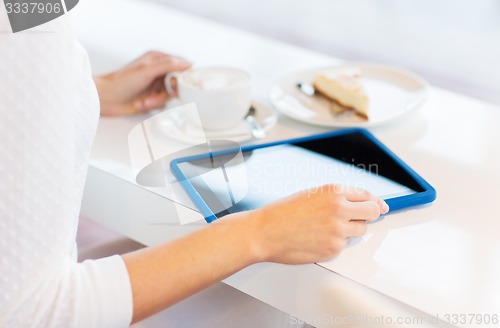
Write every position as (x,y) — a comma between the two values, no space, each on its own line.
(273,172)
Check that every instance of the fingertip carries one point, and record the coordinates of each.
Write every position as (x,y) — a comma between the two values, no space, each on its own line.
(139,105)
(180,62)
(166,66)
(384,208)
(184,65)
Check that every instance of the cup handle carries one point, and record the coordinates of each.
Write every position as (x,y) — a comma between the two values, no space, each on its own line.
(168,83)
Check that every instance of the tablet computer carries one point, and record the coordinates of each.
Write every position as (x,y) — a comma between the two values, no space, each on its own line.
(238,179)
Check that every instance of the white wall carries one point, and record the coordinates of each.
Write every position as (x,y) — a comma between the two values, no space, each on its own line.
(454,44)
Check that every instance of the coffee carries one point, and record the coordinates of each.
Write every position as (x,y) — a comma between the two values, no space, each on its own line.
(222,95)
(213,79)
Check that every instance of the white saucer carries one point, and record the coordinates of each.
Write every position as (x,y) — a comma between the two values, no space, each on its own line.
(175,126)
(393,93)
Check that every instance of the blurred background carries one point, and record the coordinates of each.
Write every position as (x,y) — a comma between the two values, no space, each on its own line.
(454,44)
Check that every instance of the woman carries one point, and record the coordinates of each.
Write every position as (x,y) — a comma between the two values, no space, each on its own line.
(49,110)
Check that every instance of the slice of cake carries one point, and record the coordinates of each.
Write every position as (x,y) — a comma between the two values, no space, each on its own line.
(343,85)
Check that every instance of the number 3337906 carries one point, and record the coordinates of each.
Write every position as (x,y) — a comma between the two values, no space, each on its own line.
(33,8)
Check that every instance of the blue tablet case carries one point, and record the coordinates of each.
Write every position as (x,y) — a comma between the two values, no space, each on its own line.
(425,193)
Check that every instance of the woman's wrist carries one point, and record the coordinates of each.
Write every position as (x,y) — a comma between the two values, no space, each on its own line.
(250,230)
(104,85)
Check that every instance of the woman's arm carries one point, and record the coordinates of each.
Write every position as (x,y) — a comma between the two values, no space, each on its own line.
(307,227)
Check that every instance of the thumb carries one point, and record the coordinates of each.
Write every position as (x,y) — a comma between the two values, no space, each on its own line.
(161,68)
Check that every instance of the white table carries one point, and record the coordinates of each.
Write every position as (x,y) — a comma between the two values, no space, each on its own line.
(442,259)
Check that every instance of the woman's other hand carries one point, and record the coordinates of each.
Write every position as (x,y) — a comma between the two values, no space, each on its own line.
(139,86)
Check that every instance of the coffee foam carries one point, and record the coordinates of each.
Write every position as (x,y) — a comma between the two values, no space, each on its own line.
(214,79)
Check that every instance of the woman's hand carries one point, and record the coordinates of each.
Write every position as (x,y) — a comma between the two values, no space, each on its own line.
(139,86)
(313,225)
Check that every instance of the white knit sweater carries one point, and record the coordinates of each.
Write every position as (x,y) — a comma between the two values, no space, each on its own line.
(48,115)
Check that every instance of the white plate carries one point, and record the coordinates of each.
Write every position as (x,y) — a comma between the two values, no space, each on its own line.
(175,126)
(392,93)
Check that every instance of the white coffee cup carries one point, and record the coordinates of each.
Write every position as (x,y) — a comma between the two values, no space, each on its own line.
(222,95)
